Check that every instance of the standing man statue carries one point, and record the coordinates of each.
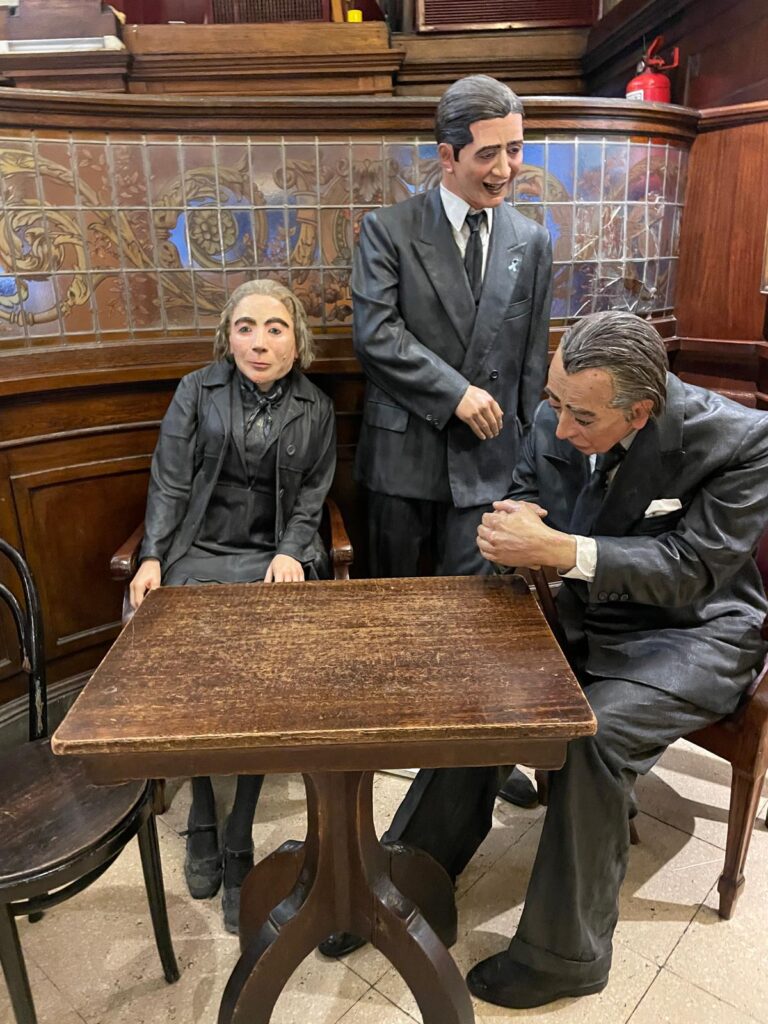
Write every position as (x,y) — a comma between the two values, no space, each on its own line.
(451,312)
(452,291)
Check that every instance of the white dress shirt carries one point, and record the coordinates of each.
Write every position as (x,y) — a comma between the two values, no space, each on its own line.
(456,210)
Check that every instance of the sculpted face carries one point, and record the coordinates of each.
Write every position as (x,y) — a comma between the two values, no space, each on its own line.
(486,166)
(262,339)
(586,419)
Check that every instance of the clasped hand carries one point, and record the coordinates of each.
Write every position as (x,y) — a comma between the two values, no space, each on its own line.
(514,534)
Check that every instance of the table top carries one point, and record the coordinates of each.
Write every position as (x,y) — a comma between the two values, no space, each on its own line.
(326,675)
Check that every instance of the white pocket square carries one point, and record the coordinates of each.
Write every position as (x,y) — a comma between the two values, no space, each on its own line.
(661,506)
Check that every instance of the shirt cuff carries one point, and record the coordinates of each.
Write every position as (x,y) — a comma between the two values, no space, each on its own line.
(586,561)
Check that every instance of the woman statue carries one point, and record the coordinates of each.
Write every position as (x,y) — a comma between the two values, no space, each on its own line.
(243,463)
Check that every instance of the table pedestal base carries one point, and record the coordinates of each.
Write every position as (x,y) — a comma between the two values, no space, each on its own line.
(343,879)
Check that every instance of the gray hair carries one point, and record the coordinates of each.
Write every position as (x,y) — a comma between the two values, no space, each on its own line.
(475,98)
(305,345)
(628,348)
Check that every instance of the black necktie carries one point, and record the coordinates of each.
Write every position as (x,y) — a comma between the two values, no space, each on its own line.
(591,496)
(473,254)
(258,406)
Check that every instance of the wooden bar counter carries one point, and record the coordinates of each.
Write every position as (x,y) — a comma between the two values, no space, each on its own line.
(334,680)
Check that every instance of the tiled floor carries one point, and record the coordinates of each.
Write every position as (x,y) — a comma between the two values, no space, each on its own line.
(92,960)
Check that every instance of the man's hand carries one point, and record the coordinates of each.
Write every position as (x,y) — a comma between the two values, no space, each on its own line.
(481,412)
(515,535)
(147,578)
(284,569)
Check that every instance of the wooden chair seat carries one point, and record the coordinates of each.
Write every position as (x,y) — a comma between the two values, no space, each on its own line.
(58,832)
(53,817)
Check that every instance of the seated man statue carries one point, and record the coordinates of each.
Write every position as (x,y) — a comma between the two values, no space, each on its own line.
(661,605)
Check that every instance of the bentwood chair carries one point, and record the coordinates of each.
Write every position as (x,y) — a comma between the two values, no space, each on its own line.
(741,738)
(59,832)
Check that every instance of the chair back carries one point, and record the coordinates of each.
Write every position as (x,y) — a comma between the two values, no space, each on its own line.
(548,606)
(29,626)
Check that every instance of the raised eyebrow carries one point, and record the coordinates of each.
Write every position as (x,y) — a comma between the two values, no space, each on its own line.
(250,320)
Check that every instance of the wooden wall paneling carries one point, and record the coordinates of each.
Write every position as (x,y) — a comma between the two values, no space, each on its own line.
(722,47)
(72,518)
(723,235)
(539,62)
(726,60)
(10,660)
(57,19)
(318,59)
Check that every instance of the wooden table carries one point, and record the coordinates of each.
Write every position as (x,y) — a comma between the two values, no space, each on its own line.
(334,680)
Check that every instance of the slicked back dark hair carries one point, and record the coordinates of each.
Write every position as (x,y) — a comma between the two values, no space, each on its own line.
(475,98)
(625,346)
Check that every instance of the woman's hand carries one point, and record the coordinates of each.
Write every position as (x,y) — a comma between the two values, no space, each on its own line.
(284,569)
(146,579)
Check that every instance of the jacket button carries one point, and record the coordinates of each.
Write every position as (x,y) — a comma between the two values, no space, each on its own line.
(291,449)
(493,375)
(281,492)
(602,596)
(624,597)
(613,597)
(429,417)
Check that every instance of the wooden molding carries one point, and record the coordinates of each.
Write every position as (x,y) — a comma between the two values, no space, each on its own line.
(720,118)
(293,59)
(39,109)
(529,61)
(104,70)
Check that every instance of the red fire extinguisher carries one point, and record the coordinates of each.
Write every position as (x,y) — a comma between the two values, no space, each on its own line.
(649,84)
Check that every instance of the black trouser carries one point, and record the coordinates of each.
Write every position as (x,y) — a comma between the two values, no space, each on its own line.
(571,906)
(413,537)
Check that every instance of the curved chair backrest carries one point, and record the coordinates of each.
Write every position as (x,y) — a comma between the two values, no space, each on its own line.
(29,625)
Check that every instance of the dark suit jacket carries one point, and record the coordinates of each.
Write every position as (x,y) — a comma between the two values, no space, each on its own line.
(677,601)
(420,344)
(190,450)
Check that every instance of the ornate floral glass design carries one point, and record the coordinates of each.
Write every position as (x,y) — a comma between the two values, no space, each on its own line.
(140,236)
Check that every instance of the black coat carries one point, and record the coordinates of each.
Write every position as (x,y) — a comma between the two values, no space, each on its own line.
(677,601)
(190,450)
(420,344)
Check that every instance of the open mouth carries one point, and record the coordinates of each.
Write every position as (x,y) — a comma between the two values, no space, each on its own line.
(495,189)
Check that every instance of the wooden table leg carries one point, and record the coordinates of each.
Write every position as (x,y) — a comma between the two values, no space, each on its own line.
(343,879)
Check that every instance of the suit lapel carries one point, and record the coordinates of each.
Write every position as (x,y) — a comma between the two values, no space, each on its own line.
(505,257)
(573,471)
(438,253)
(237,424)
(218,382)
(649,471)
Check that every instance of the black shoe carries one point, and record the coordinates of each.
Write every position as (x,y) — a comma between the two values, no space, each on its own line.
(519,790)
(237,864)
(339,944)
(203,873)
(504,982)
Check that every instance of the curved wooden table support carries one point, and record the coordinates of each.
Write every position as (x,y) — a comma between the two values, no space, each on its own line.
(371,687)
(343,879)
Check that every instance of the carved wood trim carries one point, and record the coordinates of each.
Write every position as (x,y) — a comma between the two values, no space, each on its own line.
(717,119)
(30,108)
